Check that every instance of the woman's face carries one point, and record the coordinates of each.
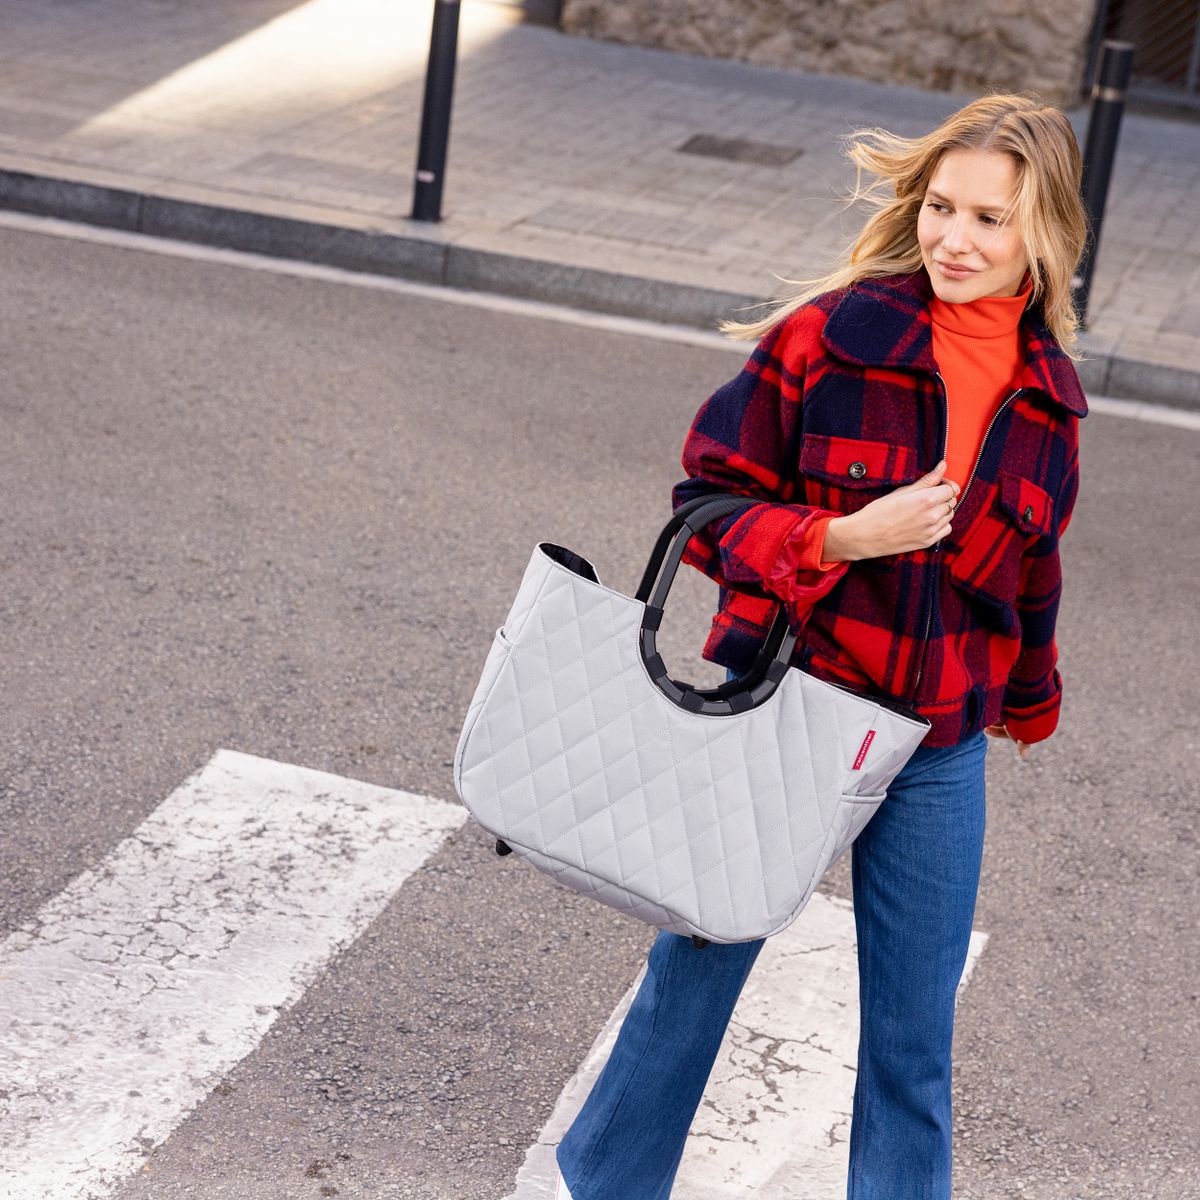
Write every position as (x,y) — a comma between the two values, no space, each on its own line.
(962,223)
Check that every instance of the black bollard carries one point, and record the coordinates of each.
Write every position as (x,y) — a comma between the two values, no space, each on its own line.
(1100,148)
(435,113)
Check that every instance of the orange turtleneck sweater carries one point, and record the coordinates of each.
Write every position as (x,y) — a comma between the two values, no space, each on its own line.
(977,347)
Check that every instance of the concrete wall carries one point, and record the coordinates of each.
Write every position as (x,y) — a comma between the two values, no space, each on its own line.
(939,45)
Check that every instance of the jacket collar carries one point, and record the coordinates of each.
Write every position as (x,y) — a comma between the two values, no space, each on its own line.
(885,321)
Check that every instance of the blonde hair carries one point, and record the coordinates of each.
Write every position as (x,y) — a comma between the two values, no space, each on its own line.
(1050,212)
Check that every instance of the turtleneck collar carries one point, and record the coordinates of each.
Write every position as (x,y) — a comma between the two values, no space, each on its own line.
(985,317)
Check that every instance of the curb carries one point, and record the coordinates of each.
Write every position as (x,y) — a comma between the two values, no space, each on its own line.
(449,265)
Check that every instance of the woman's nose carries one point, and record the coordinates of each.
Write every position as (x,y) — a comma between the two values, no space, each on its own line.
(955,240)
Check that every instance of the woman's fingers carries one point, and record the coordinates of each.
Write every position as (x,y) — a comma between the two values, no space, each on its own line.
(1002,731)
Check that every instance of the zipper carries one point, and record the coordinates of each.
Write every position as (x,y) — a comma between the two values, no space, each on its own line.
(961,496)
(979,456)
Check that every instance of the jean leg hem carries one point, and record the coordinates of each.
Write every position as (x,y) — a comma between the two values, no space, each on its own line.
(662,984)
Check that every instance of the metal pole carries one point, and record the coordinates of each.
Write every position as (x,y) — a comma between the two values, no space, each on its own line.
(435,113)
(1095,38)
(1100,148)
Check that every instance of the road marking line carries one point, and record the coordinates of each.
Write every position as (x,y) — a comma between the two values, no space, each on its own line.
(129,995)
(1139,410)
(297,268)
(775,1115)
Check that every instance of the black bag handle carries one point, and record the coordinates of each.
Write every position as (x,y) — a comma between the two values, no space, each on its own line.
(774,657)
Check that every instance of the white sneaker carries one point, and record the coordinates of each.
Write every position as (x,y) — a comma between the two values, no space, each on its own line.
(560,1187)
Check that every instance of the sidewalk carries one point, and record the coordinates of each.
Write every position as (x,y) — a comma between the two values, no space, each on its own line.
(290,128)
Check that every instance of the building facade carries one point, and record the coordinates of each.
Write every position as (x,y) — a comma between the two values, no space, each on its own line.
(937,45)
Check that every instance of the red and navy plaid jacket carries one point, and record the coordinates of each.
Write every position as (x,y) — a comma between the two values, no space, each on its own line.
(840,403)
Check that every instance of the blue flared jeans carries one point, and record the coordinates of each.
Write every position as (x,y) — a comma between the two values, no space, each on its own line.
(915,875)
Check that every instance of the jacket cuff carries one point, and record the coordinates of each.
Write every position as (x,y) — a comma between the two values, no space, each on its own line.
(1032,722)
(767,554)
(763,546)
(1032,729)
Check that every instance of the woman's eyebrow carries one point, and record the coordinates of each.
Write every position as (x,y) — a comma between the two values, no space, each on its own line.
(982,207)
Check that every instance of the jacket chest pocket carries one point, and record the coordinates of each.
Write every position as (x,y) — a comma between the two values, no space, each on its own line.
(987,563)
(845,474)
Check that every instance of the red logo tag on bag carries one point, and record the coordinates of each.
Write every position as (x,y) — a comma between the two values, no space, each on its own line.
(862,750)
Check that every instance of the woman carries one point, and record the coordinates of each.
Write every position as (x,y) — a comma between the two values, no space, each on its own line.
(911,423)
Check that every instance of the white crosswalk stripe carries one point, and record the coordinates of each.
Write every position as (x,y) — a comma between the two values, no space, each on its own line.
(775,1116)
(129,995)
(132,993)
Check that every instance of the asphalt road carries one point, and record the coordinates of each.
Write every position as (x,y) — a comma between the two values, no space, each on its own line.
(284,516)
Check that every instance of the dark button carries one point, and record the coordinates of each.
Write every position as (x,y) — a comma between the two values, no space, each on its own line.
(858,469)
(1029,512)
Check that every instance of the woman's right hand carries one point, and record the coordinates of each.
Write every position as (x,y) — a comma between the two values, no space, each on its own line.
(911,517)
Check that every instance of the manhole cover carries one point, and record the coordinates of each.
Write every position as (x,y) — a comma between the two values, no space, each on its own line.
(764,154)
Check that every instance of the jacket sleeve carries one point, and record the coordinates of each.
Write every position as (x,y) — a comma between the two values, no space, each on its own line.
(1033,697)
(745,439)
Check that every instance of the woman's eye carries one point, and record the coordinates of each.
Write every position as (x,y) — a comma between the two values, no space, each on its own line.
(990,220)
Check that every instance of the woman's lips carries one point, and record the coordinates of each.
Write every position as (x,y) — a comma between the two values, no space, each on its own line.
(954,272)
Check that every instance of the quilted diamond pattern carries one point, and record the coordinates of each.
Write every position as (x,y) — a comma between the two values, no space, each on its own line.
(713,825)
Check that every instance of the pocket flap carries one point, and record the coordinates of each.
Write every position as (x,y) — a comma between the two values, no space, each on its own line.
(1030,506)
(857,462)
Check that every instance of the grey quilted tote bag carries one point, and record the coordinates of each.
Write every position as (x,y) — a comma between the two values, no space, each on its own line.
(707,812)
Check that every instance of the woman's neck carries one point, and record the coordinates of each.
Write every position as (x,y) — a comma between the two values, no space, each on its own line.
(985,316)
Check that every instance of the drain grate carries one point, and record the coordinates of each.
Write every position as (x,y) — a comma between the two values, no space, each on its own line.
(763,154)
